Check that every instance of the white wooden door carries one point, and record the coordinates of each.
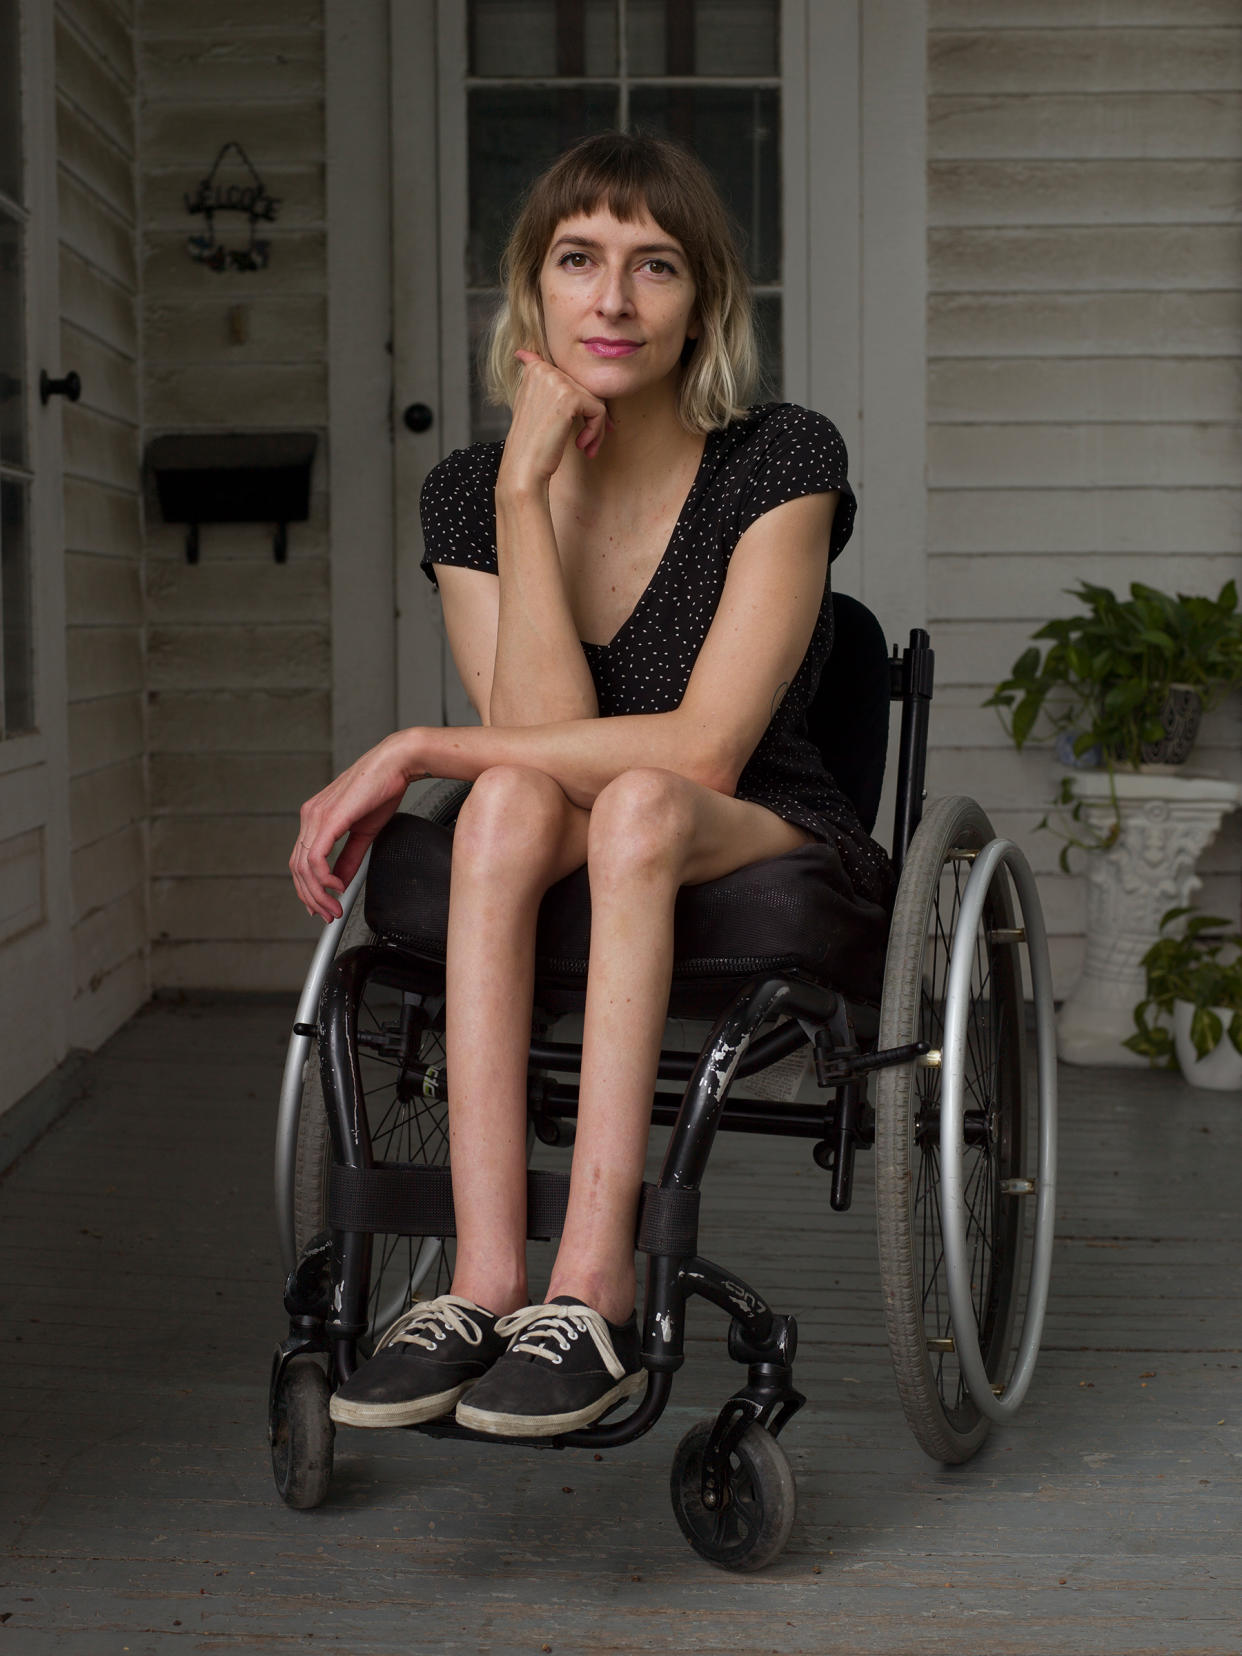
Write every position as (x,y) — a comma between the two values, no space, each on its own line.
(35,977)
(811,113)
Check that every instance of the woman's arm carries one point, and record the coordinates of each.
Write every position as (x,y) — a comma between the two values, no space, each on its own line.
(514,641)
(756,643)
(516,645)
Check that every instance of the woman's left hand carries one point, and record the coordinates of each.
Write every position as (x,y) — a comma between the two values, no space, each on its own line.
(358,803)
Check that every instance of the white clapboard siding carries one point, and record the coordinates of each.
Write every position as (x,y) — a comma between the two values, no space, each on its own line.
(1053,519)
(233,721)
(238,664)
(968,389)
(1104,14)
(1083,192)
(1069,124)
(218,845)
(1033,585)
(1034,325)
(1085,360)
(97,187)
(1120,258)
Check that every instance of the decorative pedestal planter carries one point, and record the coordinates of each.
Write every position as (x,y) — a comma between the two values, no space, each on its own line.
(1166,823)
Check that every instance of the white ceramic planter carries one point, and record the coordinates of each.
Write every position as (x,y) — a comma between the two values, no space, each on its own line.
(1166,822)
(1221,1070)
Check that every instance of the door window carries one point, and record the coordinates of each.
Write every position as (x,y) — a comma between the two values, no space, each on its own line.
(17,713)
(544,74)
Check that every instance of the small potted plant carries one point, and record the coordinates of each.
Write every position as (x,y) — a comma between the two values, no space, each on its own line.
(1122,684)
(1194,983)
(1127,681)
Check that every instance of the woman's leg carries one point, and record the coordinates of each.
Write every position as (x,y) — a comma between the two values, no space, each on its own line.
(650,832)
(517,835)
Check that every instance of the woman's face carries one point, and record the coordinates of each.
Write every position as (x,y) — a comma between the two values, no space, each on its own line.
(618,303)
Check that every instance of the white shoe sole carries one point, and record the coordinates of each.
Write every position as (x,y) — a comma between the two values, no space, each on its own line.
(511,1425)
(348,1413)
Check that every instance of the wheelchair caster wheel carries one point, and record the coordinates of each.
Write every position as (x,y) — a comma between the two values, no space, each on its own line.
(756,1513)
(302,1434)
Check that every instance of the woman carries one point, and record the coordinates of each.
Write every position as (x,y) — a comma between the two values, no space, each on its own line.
(635,591)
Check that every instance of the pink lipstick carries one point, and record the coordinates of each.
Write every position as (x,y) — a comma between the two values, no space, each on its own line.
(612,347)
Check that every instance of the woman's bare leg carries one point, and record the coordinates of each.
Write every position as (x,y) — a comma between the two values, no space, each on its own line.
(517,835)
(650,832)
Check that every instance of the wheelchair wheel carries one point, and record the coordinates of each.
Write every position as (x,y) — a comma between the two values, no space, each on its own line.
(751,1527)
(401,1050)
(914,1273)
(302,1435)
(398,1043)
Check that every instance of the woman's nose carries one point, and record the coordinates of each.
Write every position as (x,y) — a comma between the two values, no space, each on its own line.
(613,297)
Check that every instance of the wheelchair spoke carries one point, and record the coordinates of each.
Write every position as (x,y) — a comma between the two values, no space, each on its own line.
(388,1122)
(406,1126)
(933,1247)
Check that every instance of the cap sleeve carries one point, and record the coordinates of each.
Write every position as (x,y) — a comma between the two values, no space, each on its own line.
(457,510)
(801,453)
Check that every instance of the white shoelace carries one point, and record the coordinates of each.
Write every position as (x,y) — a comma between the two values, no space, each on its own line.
(560,1324)
(429,1322)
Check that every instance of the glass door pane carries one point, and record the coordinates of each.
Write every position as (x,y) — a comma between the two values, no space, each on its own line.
(543,38)
(18,708)
(12,340)
(10,102)
(703,37)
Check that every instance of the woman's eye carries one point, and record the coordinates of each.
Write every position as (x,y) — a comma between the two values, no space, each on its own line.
(660,267)
(574,261)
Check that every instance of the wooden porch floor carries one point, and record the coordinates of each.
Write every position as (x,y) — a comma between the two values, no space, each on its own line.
(140,1290)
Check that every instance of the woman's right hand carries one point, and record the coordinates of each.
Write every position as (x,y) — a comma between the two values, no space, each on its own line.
(546,409)
(356,804)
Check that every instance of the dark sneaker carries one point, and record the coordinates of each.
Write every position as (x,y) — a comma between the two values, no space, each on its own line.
(565,1367)
(422,1365)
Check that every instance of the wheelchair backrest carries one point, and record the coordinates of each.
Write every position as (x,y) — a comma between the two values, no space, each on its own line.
(848,716)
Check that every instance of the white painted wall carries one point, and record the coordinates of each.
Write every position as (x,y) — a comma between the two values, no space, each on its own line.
(239,670)
(1084,322)
(96,146)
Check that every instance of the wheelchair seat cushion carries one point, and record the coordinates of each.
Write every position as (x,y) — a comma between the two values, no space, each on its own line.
(797,912)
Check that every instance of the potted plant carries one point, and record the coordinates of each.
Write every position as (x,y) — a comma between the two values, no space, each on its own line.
(1123,683)
(1194,982)
(1130,677)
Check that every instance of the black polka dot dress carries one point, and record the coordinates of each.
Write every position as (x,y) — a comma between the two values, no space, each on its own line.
(778,452)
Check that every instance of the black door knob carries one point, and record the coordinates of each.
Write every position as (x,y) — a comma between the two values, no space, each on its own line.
(70,386)
(418,417)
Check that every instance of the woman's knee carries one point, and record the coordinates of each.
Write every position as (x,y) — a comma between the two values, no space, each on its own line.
(511,818)
(642,822)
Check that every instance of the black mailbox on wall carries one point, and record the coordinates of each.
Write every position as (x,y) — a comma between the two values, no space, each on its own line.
(233,477)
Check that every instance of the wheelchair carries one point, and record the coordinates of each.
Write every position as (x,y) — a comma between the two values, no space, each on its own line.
(965,1145)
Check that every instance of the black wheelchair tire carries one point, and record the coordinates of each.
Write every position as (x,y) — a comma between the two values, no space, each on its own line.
(938,1407)
(302,1435)
(751,1530)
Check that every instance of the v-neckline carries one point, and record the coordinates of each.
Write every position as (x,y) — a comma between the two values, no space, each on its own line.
(664,556)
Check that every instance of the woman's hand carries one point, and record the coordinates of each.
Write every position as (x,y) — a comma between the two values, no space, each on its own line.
(546,409)
(358,803)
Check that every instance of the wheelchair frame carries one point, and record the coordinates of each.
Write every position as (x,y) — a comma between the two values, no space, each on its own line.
(732,1492)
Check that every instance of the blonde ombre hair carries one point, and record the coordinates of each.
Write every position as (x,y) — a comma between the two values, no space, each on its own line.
(627,173)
